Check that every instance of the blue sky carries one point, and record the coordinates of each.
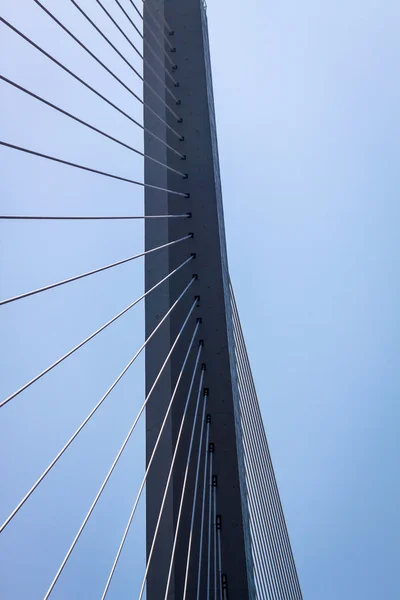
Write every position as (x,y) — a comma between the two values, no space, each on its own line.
(308,115)
(307,102)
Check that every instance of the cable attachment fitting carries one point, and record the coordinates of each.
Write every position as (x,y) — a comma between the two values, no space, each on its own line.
(224,582)
(171,32)
(193,255)
(199,320)
(191,235)
(183,156)
(211,447)
(176,84)
(187,195)
(201,343)
(173,50)
(208,419)
(214,481)
(218,522)
(185,176)
(178,103)
(174,67)
(206,392)
(180,120)
(203,366)
(197,298)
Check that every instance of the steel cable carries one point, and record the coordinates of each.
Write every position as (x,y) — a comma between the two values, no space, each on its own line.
(94,410)
(185,477)
(147,43)
(90,170)
(211,451)
(89,126)
(150,462)
(92,89)
(94,271)
(127,38)
(126,61)
(194,501)
(103,485)
(203,505)
(172,464)
(276,559)
(91,218)
(92,335)
(265,455)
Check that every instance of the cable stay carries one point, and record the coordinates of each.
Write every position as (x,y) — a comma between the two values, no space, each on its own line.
(94,410)
(178,519)
(126,61)
(269,492)
(127,38)
(270,567)
(218,528)
(150,462)
(146,43)
(214,509)
(160,27)
(203,507)
(90,170)
(128,17)
(103,485)
(210,475)
(136,9)
(194,499)
(162,16)
(172,464)
(167,56)
(89,126)
(82,45)
(92,335)
(91,218)
(92,89)
(82,275)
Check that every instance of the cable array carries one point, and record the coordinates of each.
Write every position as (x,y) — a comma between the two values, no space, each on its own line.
(183,433)
(165,79)
(275,570)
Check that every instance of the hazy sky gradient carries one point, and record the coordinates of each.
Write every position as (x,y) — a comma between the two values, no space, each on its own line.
(307,101)
(308,119)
